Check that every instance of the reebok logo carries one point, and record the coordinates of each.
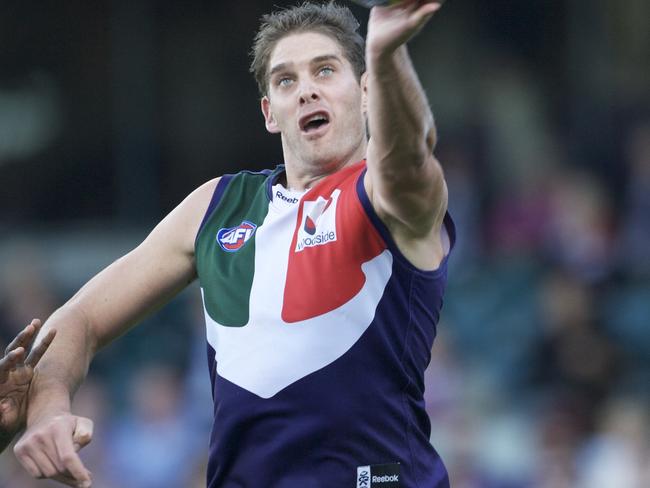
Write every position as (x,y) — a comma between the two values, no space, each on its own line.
(379,476)
(363,477)
(285,198)
(385,478)
(318,225)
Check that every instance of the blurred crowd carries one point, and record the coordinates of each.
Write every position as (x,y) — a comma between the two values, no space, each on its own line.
(540,374)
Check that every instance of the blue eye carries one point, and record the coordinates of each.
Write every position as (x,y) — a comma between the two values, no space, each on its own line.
(285,81)
(326,71)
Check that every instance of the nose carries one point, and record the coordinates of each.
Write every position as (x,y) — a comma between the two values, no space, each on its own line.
(308,93)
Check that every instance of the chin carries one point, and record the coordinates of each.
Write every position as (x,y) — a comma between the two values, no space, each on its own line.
(327,155)
(324,158)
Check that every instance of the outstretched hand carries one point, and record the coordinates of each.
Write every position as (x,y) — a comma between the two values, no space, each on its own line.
(16,372)
(390,27)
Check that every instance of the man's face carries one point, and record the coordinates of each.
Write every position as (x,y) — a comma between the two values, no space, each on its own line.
(314,101)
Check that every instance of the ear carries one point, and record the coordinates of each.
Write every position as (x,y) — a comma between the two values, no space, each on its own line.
(364,93)
(269,119)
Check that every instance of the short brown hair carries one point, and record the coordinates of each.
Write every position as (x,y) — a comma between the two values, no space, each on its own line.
(329,19)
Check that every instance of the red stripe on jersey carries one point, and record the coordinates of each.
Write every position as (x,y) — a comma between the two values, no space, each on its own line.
(323,277)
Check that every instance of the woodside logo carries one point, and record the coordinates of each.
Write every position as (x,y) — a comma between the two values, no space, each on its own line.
(318,225)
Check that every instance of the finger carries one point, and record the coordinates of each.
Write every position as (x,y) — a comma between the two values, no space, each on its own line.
(57,460)
(10,361)
(423,14)
(72,482)
(37,352)
(83,433)
(52,455)
(426,10)
(66,448)
(29,465)
(37,325)
(23,339)
(12,358)
(73,467)
(8,413)
(44,464)
(40,461)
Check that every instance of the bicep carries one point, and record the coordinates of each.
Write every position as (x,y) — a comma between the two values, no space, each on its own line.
(132,287)
(147,277)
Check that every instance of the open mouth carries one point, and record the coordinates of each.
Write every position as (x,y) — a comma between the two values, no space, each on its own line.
(314,122)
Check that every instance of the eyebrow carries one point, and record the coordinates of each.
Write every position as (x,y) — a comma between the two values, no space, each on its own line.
(316,60)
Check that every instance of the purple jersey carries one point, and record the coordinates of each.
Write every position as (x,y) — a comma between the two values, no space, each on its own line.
(319,331)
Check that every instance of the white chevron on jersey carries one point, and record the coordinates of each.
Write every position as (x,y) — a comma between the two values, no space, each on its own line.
(267,354)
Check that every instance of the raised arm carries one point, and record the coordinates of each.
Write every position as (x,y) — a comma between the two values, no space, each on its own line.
(405,182)
(106,307)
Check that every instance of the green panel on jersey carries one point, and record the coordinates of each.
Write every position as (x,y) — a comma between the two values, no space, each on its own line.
(227,277)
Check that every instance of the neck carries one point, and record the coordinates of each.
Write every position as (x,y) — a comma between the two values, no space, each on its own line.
(301,174)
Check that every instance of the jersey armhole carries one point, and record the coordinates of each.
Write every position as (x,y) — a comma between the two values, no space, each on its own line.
(214,201)
(448,227)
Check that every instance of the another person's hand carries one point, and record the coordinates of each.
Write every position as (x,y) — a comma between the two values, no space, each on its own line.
(16,372)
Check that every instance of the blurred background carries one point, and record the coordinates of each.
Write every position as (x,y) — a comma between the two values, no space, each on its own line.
(112,111)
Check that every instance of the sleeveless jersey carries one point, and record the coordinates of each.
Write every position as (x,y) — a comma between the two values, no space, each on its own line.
(319,331)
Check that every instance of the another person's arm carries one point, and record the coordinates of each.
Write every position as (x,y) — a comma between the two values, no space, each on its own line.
(16,372)
(405,182)
(106,307)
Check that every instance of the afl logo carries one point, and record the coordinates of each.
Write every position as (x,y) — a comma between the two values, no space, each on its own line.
(232,239)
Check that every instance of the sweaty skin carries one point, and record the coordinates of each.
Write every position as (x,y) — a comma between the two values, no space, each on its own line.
(309,76)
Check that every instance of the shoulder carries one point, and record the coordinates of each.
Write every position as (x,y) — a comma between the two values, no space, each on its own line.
(203,199)
(197,202)
(180,226)
(203,193)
